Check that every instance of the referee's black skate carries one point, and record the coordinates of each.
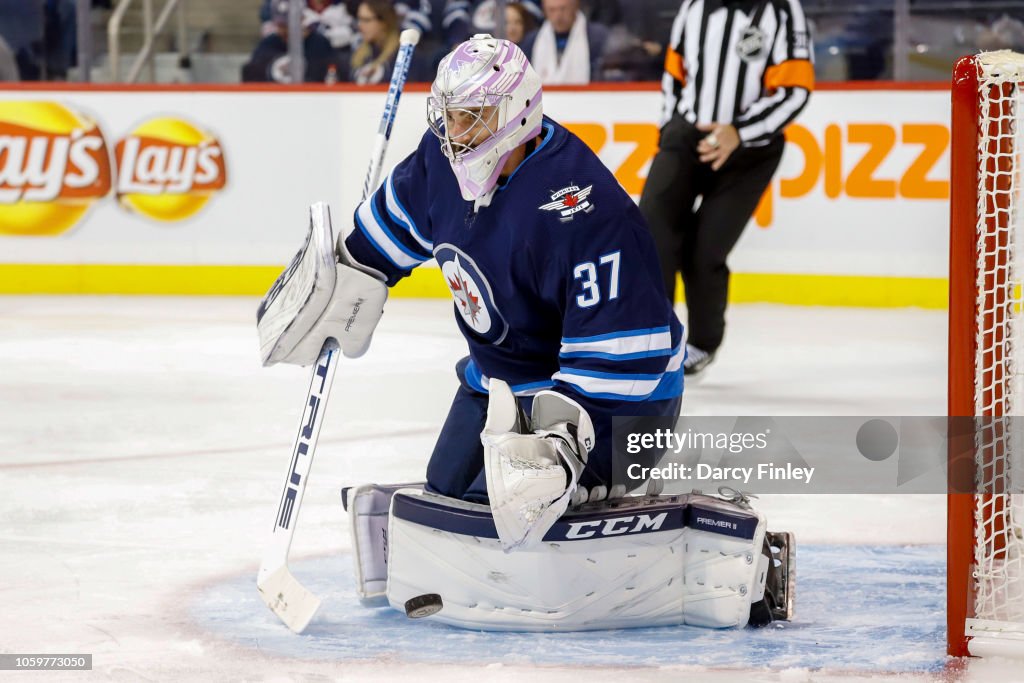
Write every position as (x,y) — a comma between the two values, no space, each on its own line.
(696,360)
(780,582)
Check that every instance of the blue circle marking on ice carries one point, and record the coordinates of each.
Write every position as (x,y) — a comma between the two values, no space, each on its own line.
(886,600)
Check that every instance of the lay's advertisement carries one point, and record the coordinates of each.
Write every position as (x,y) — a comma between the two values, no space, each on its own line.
(168,191)
(57,163)
(54,165)
(196,192)
(168,169)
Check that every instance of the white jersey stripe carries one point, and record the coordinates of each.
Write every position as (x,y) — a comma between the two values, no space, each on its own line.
(677,360)
(380,238)
(399,214)
(621,346)
(729,86)
(609,388)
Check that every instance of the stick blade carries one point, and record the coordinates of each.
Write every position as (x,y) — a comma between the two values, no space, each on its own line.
(287,598)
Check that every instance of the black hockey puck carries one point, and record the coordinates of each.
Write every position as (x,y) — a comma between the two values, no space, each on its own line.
(423,605)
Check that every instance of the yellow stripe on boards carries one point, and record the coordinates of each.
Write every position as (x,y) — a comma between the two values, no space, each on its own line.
(428,283)
(422,283)
(135,279)
(839,290)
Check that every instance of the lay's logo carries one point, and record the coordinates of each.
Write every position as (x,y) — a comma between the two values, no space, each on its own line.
(54,165)
(168,169)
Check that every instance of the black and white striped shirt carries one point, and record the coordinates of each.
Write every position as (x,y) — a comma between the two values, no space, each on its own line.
(744,62)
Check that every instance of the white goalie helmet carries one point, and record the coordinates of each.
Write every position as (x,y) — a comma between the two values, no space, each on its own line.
(489,94)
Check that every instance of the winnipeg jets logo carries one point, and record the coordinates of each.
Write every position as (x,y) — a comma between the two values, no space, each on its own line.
(569,201)
(471,292)
(462,290)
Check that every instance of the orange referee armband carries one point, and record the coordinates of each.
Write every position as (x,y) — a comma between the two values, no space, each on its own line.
(792,73)
(674,65)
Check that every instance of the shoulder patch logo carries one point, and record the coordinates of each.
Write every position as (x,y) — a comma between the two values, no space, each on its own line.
(569,201)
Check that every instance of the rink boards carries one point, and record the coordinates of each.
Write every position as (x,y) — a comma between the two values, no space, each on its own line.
(203,191)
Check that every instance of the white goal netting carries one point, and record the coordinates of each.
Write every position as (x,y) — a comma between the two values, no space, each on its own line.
(998,572)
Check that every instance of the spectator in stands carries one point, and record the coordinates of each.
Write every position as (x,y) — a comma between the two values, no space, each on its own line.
(269,61)
(628,58)
(465,18)
(866,41)
(1005,33)
(519,22)
(61,39)
(41,37)
(607,12)
(374,59)
(415,14)
(338,25)
(336,18)
(21,26)
(8,65)
(566,48)
(331,18)
(269,25)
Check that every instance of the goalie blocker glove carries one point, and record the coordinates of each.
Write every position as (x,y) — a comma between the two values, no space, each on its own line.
(532,468)
(321,294)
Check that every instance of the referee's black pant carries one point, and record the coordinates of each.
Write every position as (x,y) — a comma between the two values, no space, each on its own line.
(697,242)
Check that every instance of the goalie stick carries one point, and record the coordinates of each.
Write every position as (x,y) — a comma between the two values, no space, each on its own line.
(278,588)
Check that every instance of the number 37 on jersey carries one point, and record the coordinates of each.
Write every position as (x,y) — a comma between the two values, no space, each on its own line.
(598,280)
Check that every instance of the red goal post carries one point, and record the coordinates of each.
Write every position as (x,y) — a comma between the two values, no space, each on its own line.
(985,552)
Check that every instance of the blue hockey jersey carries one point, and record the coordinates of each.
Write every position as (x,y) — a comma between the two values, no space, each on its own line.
(556,283)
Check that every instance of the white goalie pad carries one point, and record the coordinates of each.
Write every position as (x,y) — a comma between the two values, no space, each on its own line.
(318,297)
(368,508)
(532,470)
(634,562)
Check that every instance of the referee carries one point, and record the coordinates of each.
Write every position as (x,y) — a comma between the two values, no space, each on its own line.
(736,73)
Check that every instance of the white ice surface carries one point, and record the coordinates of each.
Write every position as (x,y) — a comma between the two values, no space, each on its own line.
(142,448)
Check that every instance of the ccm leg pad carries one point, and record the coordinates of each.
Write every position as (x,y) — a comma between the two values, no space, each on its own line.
(633,562)
(368,508)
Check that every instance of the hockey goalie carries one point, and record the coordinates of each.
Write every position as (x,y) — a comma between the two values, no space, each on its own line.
(525,520)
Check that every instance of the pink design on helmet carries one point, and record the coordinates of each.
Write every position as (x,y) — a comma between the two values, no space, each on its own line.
(485,72)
